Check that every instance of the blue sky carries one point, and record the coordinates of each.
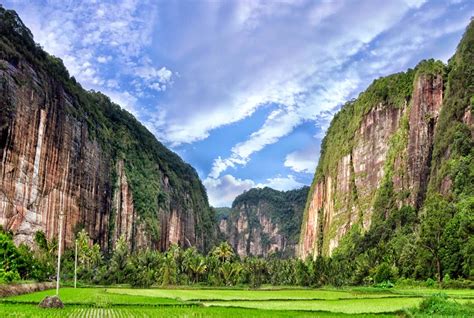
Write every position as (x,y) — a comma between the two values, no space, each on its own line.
(242,90)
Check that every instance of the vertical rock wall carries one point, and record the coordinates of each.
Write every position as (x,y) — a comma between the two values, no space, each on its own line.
(264,222)
(60,154)
(347,197)
(49,165)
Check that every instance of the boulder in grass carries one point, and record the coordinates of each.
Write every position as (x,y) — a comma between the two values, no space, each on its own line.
(51,302)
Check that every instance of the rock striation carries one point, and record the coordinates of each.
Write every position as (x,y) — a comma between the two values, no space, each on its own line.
(64,150)
(264,222)
(393,143)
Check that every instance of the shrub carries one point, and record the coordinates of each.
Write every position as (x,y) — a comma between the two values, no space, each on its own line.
(383,273)
(439,305)
(430,282)
(8,277)
(458,283)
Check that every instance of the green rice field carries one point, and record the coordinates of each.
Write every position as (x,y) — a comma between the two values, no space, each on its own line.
(126,302)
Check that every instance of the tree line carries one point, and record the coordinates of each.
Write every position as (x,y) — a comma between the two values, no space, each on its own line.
(385,255)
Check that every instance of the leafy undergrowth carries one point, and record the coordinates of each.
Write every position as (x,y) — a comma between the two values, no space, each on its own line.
(439,305)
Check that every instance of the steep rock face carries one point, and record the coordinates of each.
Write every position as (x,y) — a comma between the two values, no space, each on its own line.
(49,165)
(391,148)
(427,101)
(369,155)
(67,151)
(336,205)
(125,214)
(264,222)
(420,149)
(261,239)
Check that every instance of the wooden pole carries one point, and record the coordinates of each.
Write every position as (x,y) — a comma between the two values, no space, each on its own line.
(59,252)
(75,268)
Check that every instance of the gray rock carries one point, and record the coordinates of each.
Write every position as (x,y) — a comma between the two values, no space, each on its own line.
(51,302)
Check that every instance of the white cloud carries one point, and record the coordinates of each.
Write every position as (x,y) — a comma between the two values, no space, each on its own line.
(155,78)
(415,3)
(303,160)
(112,84)
(326,9)
(281,183)
(223,191)
(104,59)
(164,75)
(282,121)
(94,37)
(285,59)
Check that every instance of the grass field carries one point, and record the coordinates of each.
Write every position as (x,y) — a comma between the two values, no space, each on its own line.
(347,306)
(232,294)
(126,302)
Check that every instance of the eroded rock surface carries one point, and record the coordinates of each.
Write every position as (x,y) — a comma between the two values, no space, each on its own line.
(264,222)
(67,151)
(345,197)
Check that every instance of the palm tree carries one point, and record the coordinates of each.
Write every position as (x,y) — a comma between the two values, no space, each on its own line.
(197,268)
(168,270)
(256,269)
(223,252)
(119,261)
(229,272)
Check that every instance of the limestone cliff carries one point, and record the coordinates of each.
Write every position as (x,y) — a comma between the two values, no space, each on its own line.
(64,150)
(264,221)
(390,144)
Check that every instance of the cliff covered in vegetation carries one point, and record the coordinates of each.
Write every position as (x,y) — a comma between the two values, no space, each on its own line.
(396,173)
(264,221)
(65,150)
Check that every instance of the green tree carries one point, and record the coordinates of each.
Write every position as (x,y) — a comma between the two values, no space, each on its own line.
(9,259)
(169,270)
(383,273)
(144,267)
(89,257)
(229,273)
(194,264)
(119,262)
(45,255)
(256,270)
(465,235)
(437,214)
(300,272)
(223,252)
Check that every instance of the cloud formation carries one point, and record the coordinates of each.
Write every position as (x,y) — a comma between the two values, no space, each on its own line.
(190,70)
(222,191)
(303,160)
(101,44)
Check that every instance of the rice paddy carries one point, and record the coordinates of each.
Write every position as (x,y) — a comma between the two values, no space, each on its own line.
(126,302)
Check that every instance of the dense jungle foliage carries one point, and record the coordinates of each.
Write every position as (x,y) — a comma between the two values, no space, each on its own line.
(220,267)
